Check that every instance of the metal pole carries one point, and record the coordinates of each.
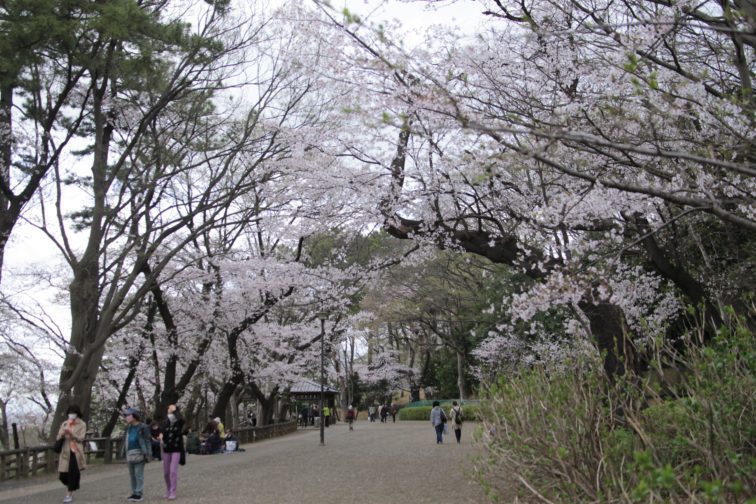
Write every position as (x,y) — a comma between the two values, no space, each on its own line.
(322,380)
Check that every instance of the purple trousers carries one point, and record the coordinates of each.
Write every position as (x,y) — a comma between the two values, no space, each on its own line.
(170,472)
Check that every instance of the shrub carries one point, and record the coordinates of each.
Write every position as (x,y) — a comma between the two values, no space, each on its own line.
(470,412)
(571,436)
(418,413)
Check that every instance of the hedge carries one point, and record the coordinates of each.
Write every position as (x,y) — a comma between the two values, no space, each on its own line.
(470,412)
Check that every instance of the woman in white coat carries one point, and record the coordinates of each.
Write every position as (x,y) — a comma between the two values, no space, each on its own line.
(72,461)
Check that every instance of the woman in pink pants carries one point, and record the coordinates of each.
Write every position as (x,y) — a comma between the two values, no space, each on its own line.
(173,448)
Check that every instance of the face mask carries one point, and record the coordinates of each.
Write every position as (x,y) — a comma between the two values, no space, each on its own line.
(72,416)
(171,417)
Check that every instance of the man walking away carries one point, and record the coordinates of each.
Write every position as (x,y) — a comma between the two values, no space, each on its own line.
(438,419)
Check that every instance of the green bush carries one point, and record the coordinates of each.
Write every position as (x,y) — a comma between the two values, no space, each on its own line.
(470,412)
(576,436)
(418,413)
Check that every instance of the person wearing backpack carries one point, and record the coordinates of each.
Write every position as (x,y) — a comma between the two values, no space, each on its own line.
(438,419)
(456,416)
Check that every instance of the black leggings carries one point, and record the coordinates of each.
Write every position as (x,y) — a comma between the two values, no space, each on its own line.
(71,478)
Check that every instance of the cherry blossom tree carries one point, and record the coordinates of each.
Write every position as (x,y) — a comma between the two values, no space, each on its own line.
(571,141)
(158,181)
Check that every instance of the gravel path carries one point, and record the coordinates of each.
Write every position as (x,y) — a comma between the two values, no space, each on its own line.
(400,462)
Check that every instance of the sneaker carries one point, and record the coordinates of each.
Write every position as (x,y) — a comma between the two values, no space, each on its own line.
(135,498)
(68,498)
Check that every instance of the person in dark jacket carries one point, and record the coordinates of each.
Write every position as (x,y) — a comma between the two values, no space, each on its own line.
(155,441)
(305,417)
(193,442)
(173,446)
(350,416)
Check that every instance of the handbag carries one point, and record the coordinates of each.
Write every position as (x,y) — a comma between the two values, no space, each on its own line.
(58,446)
(182,458)
(135,456)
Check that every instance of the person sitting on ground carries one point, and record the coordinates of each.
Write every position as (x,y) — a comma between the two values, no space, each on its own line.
(232,444)
(210,438)
(192,442)
(219,426)
(213,443)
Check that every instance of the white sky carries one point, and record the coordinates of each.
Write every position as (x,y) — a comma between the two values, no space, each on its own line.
(416,16)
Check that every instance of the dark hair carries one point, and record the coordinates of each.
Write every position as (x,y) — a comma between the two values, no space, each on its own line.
(74,408)
(454,403)
(436,403)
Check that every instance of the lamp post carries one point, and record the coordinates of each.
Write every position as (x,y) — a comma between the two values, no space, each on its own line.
(322,378)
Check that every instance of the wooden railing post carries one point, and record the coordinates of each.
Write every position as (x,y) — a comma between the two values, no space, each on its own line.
(34,463)
(107,448)
(50,459)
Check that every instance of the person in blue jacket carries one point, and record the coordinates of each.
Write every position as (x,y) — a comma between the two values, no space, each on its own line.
(137,447)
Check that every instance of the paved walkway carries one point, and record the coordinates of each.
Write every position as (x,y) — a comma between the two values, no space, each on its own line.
(400,462)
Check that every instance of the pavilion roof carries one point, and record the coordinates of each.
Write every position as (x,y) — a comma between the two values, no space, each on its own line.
(310,387)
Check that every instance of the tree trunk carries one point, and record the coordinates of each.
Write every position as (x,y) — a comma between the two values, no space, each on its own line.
(8,214)
(461,380)
(116,414)
(234,408)
(267,403)
(225,395)
(608,329)
(4,436)
(191,412)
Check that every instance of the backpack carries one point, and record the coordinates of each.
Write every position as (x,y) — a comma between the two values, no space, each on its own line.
(458,416)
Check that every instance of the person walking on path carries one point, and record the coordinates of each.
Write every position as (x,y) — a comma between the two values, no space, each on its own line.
(384,413)
(327,415)
(136,444)
(349,416)
(173,449)
(438,419)
(456,418)
(72,461)
(304,414)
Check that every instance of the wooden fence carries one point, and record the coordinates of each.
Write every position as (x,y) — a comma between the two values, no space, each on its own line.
(252,434)
(31,461)
(34,460)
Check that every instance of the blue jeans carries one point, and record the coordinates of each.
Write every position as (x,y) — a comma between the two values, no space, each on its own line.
(136,471)
(439,433)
